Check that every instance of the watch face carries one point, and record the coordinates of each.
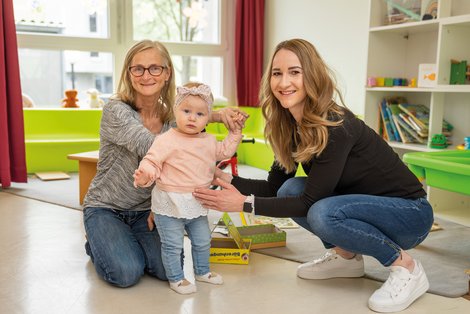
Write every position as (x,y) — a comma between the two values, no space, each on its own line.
(247,207)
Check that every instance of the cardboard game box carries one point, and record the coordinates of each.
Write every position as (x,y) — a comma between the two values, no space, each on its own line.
(263,236)
(232,250)
(235,249)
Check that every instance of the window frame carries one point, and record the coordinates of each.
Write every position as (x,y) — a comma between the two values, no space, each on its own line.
(120,28)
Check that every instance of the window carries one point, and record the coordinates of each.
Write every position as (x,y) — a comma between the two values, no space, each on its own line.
(82,44)
(45,74)
(177,21)
(71,18)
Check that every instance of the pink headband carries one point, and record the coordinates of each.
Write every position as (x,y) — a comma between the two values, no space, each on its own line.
(202,91)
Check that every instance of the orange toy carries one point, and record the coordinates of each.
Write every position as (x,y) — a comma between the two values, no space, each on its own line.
(70,100)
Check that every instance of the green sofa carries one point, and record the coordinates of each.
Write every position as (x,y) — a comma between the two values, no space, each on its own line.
(52,134)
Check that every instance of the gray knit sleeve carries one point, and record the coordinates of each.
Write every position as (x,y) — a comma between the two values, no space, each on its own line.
(122,126)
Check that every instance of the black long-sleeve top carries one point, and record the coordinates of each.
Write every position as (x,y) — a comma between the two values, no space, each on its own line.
(356,160)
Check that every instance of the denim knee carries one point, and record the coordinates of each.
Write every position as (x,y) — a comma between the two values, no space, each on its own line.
(292,187)
(123,276)
(318,218)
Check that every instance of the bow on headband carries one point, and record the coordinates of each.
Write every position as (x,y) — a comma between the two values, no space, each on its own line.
(202,91)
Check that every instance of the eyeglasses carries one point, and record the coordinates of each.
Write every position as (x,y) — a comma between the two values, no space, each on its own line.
(154,70)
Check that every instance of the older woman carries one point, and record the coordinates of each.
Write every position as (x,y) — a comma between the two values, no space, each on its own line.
(122,240)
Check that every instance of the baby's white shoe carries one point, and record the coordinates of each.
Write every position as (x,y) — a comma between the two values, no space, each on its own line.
(183,287)
(211,277)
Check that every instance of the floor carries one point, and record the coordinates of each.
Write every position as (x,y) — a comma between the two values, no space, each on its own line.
(44,269)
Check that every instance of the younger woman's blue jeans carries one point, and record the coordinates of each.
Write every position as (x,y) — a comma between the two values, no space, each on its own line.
(371,225)
(172,235)
(121,245)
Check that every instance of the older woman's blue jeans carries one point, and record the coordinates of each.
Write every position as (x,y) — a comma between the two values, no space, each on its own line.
(371,225)
(121,245)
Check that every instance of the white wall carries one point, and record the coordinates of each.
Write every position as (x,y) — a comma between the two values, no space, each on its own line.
(337,28)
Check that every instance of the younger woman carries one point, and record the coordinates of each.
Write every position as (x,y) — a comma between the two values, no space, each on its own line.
(358,197)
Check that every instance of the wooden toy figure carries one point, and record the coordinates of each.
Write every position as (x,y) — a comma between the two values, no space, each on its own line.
(70,100)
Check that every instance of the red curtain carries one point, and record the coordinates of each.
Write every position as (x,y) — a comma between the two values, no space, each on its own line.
(249,38)
(12,148)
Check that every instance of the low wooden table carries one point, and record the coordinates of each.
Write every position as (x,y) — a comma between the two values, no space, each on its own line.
(86,170)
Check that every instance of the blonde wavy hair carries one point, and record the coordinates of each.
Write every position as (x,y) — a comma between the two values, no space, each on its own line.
(298,142)
(126,93)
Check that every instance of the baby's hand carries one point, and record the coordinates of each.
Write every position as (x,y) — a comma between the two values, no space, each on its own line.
(239,121)
(141,179)
(241,118)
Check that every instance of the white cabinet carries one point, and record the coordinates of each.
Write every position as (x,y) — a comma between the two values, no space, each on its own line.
(396,51)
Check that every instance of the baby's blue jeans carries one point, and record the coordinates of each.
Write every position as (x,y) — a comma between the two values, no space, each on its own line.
(171,231)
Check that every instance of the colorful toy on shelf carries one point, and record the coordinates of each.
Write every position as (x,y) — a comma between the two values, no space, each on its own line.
(380,81)
(371,81)
(70,100)
(390,82)
(403,11)
(439,141)
(459,72)
(429,9)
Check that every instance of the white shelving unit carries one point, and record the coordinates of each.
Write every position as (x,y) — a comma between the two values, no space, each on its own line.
(397,50)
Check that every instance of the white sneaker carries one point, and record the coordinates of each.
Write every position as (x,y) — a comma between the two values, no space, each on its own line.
(332,265)
(183,287)
(212,278)
(400,290)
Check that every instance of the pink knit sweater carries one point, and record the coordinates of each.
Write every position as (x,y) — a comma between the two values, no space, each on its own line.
(182,162)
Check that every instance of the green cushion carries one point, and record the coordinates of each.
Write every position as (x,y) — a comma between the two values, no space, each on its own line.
(51,134)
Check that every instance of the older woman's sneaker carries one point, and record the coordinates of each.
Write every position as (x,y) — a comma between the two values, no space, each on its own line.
(332,265)
(400,290)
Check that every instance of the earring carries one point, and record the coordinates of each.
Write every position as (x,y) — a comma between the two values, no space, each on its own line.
(160,100)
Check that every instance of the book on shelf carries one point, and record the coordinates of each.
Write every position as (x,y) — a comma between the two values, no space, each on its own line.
(391,113)
(421,132)
(407,123)
(415,138)
(381,125)
(420,115)
(406,138)
(386,121)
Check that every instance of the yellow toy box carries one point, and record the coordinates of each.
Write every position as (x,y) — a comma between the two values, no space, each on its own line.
(233,250)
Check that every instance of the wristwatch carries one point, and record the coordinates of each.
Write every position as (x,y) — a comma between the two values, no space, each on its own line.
(249,204)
